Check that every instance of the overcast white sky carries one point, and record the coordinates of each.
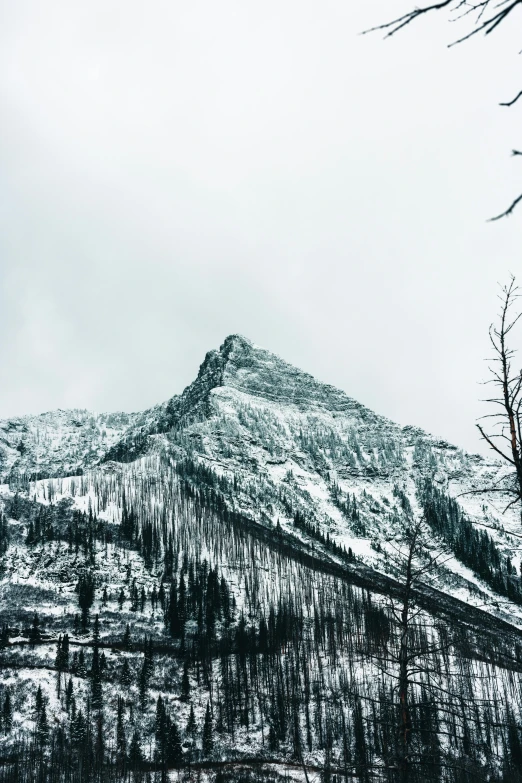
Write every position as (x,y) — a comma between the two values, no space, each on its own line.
(175,172)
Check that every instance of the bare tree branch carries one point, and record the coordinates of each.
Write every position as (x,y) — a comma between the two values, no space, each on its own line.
(515,99)
(500,11)
(508,211)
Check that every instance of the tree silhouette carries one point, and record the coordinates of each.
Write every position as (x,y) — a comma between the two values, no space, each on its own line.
(486,16)
(506,441)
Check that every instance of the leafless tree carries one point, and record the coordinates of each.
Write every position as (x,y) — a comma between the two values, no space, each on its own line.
(506,441)
(485,16)
(410,656)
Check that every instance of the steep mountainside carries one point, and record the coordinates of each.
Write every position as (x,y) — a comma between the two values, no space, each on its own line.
(214,583)
(299,446)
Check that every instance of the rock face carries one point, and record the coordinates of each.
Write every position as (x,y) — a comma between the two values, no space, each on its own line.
(241,365)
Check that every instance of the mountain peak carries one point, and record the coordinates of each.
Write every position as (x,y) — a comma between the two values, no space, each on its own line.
(239,365)
(235,341)
(242,365)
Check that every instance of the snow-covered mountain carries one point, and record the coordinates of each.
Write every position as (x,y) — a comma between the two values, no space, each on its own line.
(293,445)
(287,495)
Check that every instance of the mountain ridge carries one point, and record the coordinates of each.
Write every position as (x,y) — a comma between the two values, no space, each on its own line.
(230,366)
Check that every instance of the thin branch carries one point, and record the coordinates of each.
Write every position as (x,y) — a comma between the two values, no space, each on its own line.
(488,440)
(508,211)
(515,99)
(397,24)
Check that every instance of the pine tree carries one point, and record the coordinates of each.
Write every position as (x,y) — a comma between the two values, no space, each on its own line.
(78,728)
(96,631)
(69,694)
(161,596)
(7,713)
(191,723)
(143,679)
(208,738)
(159,723)
(30,537)
(99,749)
(85,589)
(135,752)
(61,659)
(174,752)
(96,682)
(42,726)
(134,596)
(185,683)
(172,617)
(81,663)
(148,658)
(34,634)
(121,738)
(38,701)
(125,674)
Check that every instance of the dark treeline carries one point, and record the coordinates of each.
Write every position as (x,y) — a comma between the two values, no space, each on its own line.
(475,548)
(266,652)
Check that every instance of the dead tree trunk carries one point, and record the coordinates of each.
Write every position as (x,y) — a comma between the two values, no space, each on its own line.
(507,442)
(404,682)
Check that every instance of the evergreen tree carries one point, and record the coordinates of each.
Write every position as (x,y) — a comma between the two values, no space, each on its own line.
(174,751)
(78,729)
(125,673)
(159,723)
(82,671)
(38,701)
(99,749)
(121,738)
(185,683)
(69,694)
(35,634)
(7,713)
(85,590)
(96,681)
(61,659)
(208,734)
(161,596)
(135,752)
(191,723)
(42,726)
